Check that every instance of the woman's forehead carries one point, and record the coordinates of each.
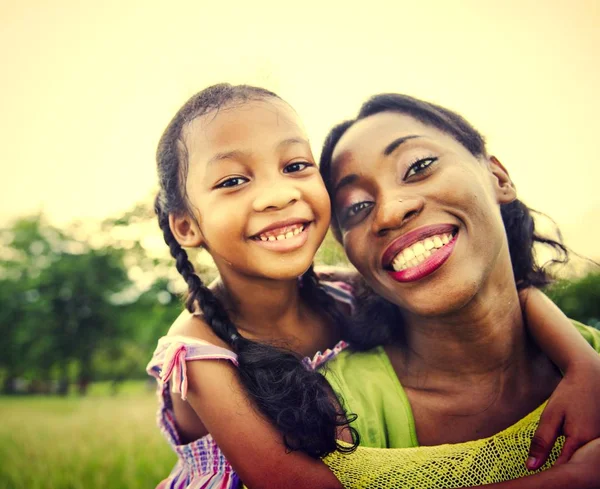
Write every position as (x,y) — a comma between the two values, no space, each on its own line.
(376,132)
(378,135)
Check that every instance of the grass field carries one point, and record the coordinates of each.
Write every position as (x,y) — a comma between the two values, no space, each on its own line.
(99,441)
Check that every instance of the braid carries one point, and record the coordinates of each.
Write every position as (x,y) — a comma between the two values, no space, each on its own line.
(296,399)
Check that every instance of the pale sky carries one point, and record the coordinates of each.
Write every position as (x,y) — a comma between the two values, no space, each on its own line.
(88,87)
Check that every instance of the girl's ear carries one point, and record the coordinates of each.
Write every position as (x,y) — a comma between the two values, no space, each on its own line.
(186,231)
(503,186)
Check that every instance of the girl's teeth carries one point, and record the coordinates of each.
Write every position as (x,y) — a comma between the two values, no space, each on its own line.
(289,234)
(419,252)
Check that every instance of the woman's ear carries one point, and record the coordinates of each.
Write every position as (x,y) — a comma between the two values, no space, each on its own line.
(186,231)
(503,186)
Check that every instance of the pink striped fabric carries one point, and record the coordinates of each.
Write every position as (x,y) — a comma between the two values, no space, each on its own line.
(201,464)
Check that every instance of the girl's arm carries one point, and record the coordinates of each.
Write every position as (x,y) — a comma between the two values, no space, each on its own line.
(574,407)
(252,445)
(250,442)
(580,472)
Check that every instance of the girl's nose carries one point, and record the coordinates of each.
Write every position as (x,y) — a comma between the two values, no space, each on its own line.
(275,196)
(394,213)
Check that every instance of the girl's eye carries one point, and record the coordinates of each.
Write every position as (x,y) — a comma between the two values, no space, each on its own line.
(296,167)
(232,182)
(419,166)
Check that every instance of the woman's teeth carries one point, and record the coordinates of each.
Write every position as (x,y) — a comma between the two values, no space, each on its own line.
(282,233)
(419,251)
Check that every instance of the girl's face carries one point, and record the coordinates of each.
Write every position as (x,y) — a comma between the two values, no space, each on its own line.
(419,214)
(259,203)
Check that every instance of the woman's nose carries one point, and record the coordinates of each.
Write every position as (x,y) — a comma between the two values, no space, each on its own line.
(394,213)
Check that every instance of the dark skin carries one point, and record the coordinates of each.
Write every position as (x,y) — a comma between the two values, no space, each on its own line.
(216,401)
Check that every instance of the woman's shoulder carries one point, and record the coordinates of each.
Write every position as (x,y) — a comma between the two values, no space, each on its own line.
(590,334)
(351,366)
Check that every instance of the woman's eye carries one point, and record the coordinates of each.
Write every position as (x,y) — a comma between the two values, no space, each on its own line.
(232,182)
(419,166)
(354,209)
(296,167)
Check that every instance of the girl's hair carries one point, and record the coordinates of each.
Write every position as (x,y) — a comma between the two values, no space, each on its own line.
(296,399)
(517,217)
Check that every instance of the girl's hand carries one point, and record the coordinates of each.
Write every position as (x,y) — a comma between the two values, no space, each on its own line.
(584,465)
(573,411)
(574,408)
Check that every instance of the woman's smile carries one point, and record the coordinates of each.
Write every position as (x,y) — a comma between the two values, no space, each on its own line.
(420,252)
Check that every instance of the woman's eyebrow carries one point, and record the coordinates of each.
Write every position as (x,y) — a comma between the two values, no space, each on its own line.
(390,148)
(347,180)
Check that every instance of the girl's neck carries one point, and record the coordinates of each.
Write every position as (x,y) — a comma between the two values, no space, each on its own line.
(274,311)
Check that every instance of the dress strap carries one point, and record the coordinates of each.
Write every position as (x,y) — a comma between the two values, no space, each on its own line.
(172,353)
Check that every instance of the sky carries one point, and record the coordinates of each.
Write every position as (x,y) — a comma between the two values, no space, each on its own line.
(88,87)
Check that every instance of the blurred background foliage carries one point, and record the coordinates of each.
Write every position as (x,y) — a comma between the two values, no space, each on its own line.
(87,303)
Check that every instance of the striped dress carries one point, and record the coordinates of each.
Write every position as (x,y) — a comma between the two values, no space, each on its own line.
(201,464)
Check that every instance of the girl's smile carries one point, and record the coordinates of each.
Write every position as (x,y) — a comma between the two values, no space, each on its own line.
(283,236)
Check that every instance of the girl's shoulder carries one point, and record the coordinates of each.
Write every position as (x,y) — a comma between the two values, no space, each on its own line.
(195,327)
(189,339)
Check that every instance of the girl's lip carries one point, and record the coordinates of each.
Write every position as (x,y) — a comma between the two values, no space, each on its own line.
(412,237)
(427,267)
(281,224)
(288,244)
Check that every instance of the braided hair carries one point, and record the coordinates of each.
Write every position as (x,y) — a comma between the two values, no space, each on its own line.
(516,216)
(296,399)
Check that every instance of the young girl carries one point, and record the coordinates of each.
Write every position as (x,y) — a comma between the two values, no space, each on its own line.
(238,179)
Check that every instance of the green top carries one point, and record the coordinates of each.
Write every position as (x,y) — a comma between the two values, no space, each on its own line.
(368,386)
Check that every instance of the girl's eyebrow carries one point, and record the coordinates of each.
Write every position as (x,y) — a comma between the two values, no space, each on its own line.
(290,141)
(229,155)
(238,154)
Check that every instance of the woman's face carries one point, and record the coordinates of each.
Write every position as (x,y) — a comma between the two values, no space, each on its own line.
(419,214)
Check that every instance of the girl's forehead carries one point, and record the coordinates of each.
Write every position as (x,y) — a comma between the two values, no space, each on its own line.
(242,123)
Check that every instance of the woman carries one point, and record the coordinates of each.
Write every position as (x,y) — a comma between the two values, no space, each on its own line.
(432,223)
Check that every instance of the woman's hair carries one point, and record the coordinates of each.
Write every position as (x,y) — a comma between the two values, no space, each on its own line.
(517,217)
(296,399)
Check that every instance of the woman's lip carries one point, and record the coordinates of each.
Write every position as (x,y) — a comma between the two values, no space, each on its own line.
(281,224)
(412,237)
(427,267)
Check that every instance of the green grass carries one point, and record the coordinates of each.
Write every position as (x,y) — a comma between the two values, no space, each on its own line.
(93,442)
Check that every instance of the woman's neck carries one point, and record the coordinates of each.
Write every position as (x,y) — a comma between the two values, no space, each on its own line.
(485,335)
